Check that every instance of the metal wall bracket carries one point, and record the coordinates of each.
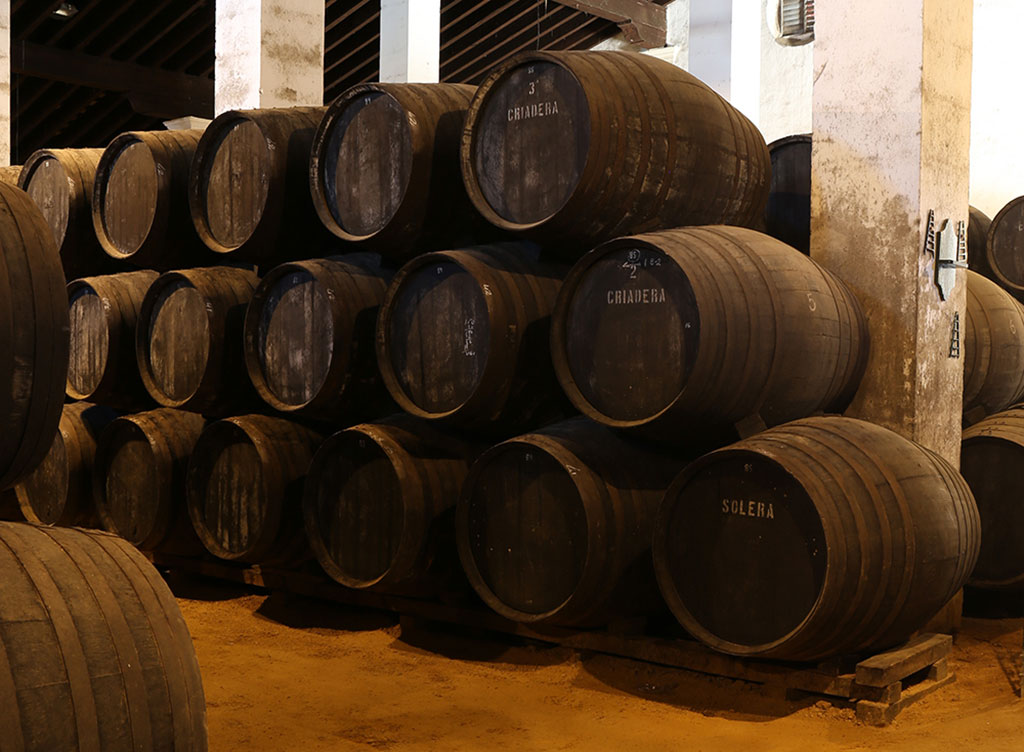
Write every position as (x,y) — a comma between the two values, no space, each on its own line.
(949,256)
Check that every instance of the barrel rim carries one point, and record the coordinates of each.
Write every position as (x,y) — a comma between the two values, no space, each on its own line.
(796,138)
(318,159)
(73,287)
(397,457)
(535,441)
(250,334)
(996,221)
(469,138)
(28,169)
(20,492)
(660,545)
(559,340)
(161,210)
(142,340)
(459,257)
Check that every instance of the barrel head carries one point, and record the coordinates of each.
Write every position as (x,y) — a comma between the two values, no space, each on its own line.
(236,183)
(178,341)
(128,480)
(129,200)
(530,141)
(744,553)
(988,462)
(438,336)
(1006,244)
(90,341)
(43,494)
(788,213)
(47,184)
(295,338)
(368,162)
(632,330)
(527,530)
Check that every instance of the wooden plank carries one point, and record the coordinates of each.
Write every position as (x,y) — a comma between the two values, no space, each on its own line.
(641,21)
(881,714)
(885,668)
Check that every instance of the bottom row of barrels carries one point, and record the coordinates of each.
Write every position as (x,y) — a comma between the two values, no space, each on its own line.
(822,536)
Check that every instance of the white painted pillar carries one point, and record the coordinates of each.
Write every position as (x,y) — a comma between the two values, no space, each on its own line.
(711,44)
(410,41)
(269,54)
(5,83)
(891,133)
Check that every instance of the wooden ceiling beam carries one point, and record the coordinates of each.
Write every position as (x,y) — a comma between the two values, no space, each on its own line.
(642,22)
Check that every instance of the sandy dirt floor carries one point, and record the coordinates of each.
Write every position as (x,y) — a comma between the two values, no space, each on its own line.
(286,673)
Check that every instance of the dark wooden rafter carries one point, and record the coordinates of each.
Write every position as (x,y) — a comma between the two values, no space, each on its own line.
(641,21)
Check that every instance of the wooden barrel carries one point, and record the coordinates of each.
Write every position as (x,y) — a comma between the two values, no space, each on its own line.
(60,182)
(188,341)
(989,458)
(33,335)
(379,503)
(104,312)
(10,174)
(788,212)
(705,326)
(993,348)
(140,201)
(139,479)
(384,170)
(96,654)
(825,536)
(10,509)
(1003,260)
(309,337)
(581,147)
(249,185)
(59,491)
(555,525)
(978,225)
(462,337)
(245,488)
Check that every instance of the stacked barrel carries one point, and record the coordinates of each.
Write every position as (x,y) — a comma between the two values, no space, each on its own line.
(448,340)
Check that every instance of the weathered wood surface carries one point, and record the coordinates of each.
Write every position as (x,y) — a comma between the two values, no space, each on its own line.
(140,207)
(249,185)
(580,147)
(379,504)
(33,335)
(59,491)
(139,479)
(95,653)
(245,488)
(556,525)
(989,457)
(384,170)
(309,338)
(788,212)
(103,313)
(462,337)
(60,181)
(693,328)
(189,339)
(993,340)
(831,536)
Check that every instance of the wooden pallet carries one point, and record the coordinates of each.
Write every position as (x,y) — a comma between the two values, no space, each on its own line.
(879,687)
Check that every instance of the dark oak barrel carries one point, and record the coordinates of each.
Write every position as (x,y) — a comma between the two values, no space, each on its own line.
(309,337)
(788,212)
(379,503)
(188,341)
(140,200)
(978,225)
(556,525)
(139,479)
(581,147)
(103,312)
(990,460)
(825,536)
(705,326)
(59,491)
(245,488)
(60,182)
(993,347)
(10,509)
(1003,260)
(94,653)
(10,174)
(462,337)
(385,168)
(249,185)
(33,335)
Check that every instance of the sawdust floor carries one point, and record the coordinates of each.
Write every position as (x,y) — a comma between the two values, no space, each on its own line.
(286,673)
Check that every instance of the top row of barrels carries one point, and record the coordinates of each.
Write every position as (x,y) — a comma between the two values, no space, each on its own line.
(569,149)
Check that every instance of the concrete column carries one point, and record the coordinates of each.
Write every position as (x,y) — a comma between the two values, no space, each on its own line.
(269,54)
(5,83)
(410,41)
(891,132)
